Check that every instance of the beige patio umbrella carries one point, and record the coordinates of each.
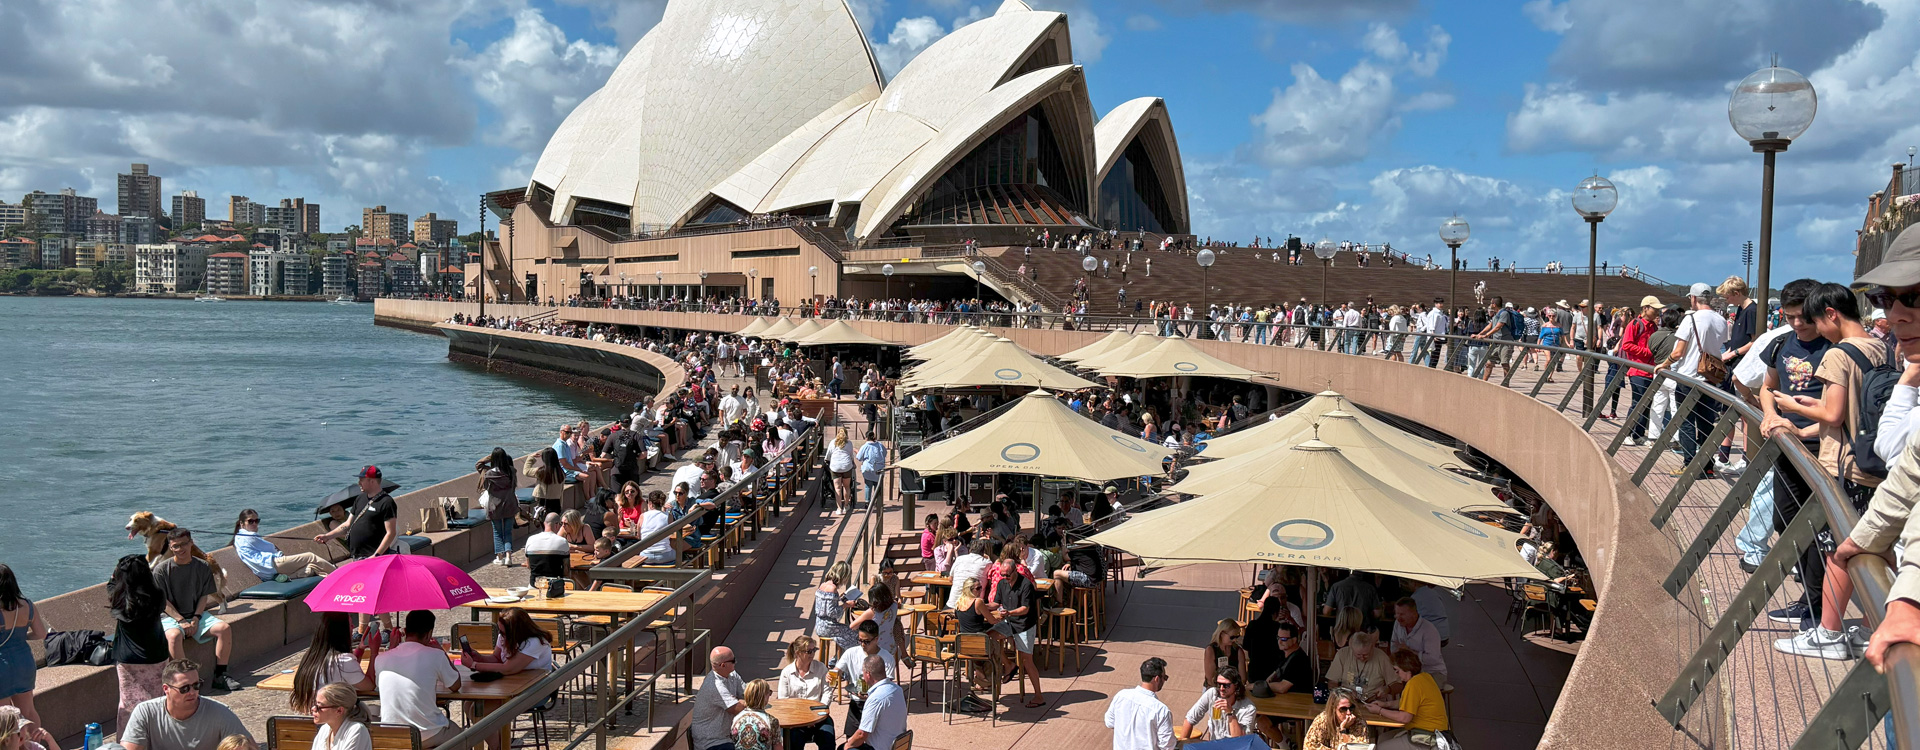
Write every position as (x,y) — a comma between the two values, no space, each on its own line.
(1039,435)
(1140,344)
(801,330)
(1104,344)
(753,329)
(996,363)
(774,330)
(967,336)
(1174,357)
(1322,510)
(1299,423)
(838,333)
(952,355)
(1381,458)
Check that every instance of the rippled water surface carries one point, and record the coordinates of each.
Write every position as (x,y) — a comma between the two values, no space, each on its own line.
(196,410)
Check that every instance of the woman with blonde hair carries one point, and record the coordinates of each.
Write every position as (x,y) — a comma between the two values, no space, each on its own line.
(573,528)
(753,728)
(341,719)
(805,678)
(830,600)
(1350,620)
(1339,724)
(18,733)
(1223,650)
(840,463)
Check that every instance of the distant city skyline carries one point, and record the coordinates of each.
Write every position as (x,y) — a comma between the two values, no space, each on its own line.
(1356,121)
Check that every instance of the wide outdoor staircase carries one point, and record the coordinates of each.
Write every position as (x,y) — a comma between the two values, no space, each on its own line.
(1007,279)
(1242,275)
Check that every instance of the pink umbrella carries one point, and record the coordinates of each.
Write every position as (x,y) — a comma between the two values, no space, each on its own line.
(394,583)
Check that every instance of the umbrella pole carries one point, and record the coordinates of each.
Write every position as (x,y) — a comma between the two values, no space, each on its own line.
(1313,616)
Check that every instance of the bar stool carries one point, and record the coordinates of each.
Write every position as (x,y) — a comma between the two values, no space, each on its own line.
(1089,602)
(1058,633)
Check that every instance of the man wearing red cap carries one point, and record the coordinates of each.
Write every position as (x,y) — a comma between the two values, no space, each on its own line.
(375,524)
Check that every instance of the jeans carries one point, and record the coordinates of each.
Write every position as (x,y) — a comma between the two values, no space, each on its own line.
(1753,537)
(1698,423)
(1640,384)
(821,735)
(872,487)
(1260,333)
(503,535)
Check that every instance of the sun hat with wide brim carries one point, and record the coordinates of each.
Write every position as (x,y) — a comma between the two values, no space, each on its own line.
(1899,265)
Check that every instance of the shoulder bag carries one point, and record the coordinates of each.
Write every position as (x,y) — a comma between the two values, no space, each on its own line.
(1712,368)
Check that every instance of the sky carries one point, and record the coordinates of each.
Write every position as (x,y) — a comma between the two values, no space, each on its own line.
(1361,120)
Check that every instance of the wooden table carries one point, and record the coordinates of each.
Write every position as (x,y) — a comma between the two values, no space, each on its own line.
(486,696)
(616,606)
(918,611)
(1301,706)
(934,582)
(794,713)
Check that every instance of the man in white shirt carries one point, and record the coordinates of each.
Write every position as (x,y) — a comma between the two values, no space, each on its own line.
(716,704)
(1351,319)
(732,408)
(410,676)
(1137,717)
(1703,332)
(1435,322)
(548,541)
(1419,636)
(967,566)
(1432,604)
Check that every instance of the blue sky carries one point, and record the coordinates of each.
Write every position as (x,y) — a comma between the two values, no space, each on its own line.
(1365,120)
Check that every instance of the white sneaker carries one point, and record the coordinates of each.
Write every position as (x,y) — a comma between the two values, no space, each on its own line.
(1630,441)
(1857,638)
(1734,467)
(1816,642)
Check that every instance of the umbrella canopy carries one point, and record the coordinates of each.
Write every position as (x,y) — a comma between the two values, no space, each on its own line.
(352,492)
(1323,510)
(1140,344)
(777,329)
(1381,458)
(394,583)
(838,332)
(1105,343)
(952,355)
(1172,357)
(964,336)
(801,330)
(1300,423)
(1040,435)
(995,363)
(753,329)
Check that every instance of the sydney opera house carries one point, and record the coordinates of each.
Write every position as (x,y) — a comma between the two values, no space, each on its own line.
(755,148)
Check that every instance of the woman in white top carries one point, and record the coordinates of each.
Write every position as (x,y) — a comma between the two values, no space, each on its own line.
(655,519)
(341,719)
(521,646)
(805,678)
(1395,341)
(329,659)
(840,464)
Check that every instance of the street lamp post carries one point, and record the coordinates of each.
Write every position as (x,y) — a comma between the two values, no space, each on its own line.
(1769,109)
(659,284)
(703,287)
(1593,200)
(753,284)
(1324,250)
(813,274)
(1087,264)
(1454,232)
(886,271)
(1205,259)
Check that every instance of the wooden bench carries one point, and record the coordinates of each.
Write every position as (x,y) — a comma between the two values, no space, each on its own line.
(296,733)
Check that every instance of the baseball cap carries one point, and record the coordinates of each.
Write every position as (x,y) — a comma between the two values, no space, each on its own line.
(1899,265)
(1649,301)
(1110,490)
(638,405)
(371,472)
(1699,290)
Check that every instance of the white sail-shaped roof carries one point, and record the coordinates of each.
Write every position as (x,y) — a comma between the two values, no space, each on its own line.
(1145,117)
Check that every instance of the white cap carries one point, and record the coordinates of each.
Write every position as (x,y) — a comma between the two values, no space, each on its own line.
(1700,290)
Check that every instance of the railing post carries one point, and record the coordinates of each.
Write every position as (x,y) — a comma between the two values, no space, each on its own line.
(1672,428)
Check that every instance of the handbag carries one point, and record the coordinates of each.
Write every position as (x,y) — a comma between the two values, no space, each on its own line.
(1711,369)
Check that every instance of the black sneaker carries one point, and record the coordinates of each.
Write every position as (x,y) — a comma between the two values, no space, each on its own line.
(1792,614)
(1747,566)
(225,682)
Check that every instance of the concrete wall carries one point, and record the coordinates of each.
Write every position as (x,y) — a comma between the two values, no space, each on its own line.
(1608,697)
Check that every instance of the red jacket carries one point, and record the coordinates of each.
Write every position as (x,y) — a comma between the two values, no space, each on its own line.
(1633,345)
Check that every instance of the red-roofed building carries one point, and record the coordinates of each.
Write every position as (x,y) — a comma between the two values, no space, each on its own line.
(19,253)
(227,273)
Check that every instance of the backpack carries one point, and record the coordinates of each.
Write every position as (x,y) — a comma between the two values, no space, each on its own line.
(1876,387)
(625,451)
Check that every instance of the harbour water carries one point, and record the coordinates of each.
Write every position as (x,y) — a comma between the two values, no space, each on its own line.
(195,411)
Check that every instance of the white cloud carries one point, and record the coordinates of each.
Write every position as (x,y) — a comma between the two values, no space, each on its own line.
(1698,47)
(534,77)
(1316,121)
(1142,22)
(628,19)
(1427,100)
(908,38)
(1547,15)
(1090,38)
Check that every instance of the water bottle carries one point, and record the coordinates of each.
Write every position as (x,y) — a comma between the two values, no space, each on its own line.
(93,737)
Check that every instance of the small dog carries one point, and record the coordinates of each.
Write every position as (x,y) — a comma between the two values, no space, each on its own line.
(155,528)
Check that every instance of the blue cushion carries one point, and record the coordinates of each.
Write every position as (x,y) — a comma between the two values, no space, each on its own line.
(415,544)
(276,590)
(475,517)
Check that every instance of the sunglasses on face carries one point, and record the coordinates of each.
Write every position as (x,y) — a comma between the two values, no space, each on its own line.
(1884,298)
(1346,709)
(191,687)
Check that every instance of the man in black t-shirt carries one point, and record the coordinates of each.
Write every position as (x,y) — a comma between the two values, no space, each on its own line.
(375,524)
(1013,597)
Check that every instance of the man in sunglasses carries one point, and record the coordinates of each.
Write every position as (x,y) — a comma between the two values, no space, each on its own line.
(180,719)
